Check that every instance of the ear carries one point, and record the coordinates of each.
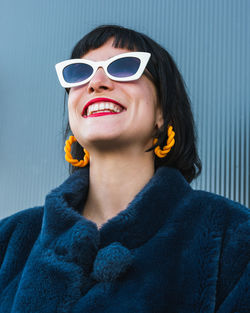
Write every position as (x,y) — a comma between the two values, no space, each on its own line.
(159,118)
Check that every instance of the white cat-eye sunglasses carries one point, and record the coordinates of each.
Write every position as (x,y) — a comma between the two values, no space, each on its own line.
(122,67)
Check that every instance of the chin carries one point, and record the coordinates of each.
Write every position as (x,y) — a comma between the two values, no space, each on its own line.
(100,139)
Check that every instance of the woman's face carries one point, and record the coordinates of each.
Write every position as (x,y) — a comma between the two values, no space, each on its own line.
(134,126)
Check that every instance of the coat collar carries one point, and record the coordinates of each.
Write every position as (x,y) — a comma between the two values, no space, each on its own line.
(107,253)
(132,227)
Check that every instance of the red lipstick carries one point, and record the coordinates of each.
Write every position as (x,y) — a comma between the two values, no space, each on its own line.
(95,100)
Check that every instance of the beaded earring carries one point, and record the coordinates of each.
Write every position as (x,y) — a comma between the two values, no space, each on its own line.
(170,142)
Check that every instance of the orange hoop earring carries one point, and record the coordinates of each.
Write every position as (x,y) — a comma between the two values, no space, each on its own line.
(170,142)
(68,156)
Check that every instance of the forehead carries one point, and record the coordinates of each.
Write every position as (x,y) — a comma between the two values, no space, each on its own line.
(104,52)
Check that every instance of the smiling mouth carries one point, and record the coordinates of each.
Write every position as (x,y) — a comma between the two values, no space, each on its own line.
(103,108)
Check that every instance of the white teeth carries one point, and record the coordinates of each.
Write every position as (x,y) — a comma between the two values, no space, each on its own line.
(103,106)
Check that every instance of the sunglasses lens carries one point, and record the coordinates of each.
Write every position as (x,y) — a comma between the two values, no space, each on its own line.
(77,72)
(124,67)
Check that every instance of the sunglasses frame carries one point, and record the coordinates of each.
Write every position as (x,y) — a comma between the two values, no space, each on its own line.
(143,56)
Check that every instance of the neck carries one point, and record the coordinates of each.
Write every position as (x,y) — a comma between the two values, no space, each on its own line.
(114,181)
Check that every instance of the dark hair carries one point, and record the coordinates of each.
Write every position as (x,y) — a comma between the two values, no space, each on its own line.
(171,92)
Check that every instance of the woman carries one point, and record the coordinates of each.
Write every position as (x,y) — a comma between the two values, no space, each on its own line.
(126,232)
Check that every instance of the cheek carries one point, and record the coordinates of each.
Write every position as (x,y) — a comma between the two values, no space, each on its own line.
(148,90)
(72,111)
(149,102)
(148,110)
(75,100)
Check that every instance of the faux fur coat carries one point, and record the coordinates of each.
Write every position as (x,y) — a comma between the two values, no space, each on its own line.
(173,249)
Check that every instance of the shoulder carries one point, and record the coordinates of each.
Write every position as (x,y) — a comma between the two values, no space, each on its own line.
(222,217)
(22,218)
(19,231)
(199,210)
(232,217)
(180,198)
(210,204)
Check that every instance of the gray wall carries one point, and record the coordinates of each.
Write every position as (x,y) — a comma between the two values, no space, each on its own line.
(209,39)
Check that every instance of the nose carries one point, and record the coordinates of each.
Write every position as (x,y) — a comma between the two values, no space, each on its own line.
(100,82)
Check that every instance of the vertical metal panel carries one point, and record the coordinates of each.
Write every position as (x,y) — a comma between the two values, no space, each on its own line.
(209,41)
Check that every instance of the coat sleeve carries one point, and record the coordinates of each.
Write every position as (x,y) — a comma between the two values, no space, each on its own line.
(233,294)
(18,234)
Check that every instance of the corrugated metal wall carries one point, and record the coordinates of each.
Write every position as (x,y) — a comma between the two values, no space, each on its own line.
(209,39)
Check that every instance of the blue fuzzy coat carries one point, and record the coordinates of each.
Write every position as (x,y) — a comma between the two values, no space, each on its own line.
(172,249)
